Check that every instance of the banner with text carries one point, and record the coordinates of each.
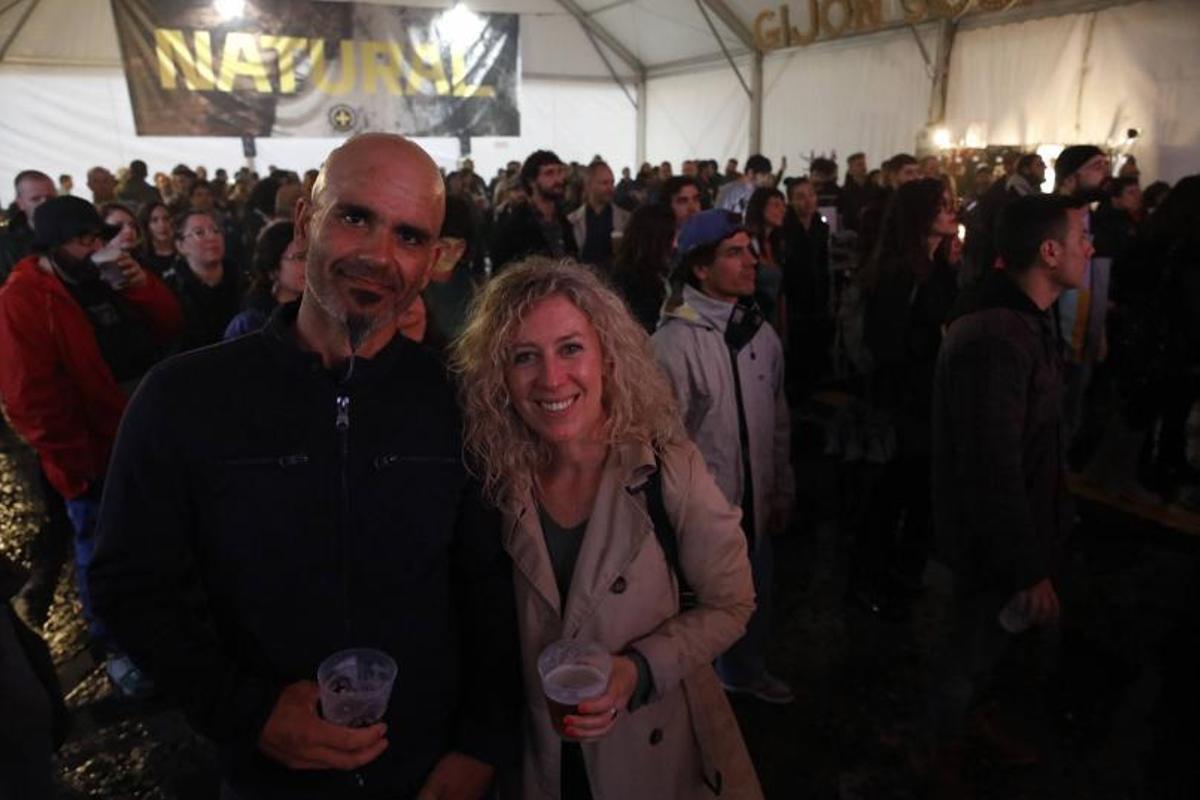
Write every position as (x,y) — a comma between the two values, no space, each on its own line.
(306,68)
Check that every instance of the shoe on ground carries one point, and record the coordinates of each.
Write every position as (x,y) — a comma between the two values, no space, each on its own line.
(767,688)
(128,678)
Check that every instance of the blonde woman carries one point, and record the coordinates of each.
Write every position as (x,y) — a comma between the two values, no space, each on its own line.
(567,418)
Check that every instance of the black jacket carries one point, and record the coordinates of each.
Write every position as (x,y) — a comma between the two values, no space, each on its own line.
(519,234)
(1001,507)
(902,327)
(207,310)
(16,242)
(254,522)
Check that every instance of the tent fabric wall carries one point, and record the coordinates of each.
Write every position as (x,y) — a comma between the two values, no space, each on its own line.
(69,119)
(700,114)
(868,94)
(1085,78)
(1017,84)
(1144,73)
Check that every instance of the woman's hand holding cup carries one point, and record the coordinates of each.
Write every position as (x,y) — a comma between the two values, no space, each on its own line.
(594,718)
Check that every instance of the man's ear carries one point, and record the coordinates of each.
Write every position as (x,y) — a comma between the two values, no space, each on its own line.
(301,216)
(1050,251)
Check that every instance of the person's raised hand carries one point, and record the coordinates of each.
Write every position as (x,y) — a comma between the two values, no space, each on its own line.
(595,718)
(297,737)
(131,271)
(457,777)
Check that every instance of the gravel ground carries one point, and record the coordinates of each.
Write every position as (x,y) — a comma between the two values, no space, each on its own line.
(1118,728)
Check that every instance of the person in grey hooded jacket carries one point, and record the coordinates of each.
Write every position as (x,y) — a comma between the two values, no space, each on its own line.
(727,368)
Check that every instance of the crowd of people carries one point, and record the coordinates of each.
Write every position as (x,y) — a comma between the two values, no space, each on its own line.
(457,420)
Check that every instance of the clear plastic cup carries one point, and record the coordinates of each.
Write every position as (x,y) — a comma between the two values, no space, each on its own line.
(355,686)
(572,672)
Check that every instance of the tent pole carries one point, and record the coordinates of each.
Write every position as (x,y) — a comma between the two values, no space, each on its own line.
(16,31)
(602,33)
(721,43)
(755,90)
(756,104)
(611,70)
(643,106)
(941,70)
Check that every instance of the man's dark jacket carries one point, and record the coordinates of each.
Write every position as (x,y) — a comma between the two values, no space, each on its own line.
(16,242)
(260,514)
(1001,507)
(519,234)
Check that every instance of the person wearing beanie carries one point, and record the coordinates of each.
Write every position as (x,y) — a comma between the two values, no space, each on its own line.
(728,372)
(1080,172)
(80,324)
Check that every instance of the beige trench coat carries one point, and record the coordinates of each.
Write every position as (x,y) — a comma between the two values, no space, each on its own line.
(623,595)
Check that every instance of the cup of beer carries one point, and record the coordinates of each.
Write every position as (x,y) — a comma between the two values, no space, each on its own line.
(355,686)
(572,671)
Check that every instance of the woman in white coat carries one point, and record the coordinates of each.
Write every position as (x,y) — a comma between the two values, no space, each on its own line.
(569,423)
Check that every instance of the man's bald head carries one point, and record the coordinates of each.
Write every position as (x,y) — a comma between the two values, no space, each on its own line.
(367,154)
(371,232)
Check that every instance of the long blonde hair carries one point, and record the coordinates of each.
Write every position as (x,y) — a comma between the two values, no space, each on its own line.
(638,400)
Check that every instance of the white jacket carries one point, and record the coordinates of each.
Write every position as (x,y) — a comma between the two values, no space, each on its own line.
(690,345)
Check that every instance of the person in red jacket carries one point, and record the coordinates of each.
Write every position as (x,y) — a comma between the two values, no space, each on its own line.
(80,323)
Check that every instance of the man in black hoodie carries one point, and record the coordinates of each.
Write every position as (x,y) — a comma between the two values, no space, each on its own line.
(999,491)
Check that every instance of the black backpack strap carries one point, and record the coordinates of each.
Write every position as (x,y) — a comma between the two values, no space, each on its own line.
(664,531)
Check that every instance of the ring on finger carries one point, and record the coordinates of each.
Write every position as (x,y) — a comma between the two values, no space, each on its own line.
(613,713)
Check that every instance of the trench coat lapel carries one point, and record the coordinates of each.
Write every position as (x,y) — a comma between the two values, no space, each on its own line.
(524,543)
(616,531)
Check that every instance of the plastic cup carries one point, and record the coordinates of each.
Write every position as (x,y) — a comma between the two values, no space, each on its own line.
(572,672)
(355,686)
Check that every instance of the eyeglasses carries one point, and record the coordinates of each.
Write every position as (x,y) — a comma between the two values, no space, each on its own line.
(202,233)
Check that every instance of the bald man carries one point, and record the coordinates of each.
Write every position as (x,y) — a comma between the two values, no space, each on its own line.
(283,496)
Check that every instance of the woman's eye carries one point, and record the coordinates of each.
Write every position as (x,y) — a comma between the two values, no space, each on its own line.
(571,348)
(523,358)
(353,218)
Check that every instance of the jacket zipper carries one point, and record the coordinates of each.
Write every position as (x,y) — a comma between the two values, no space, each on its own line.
(283,462)
(749,526)
(342,424)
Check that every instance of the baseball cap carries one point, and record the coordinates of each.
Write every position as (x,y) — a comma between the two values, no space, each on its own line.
(60,219)
(707,227)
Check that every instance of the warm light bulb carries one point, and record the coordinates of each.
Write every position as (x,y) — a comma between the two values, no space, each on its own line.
(230,9)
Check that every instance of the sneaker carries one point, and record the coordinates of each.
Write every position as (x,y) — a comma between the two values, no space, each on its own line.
(128,679)
(767,688)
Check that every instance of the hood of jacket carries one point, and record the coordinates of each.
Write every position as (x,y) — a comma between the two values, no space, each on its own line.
(700,310)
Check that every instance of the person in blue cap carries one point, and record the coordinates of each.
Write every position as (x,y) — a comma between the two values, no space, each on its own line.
(728,372)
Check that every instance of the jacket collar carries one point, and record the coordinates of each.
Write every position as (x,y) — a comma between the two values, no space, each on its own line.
(612,539)
(998,290)
(279,334)
(698,308)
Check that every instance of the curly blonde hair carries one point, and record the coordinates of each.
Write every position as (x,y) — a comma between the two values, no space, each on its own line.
(638,399)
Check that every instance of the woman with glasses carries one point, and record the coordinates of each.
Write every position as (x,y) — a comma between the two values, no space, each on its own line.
(277,278)
(206,286)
